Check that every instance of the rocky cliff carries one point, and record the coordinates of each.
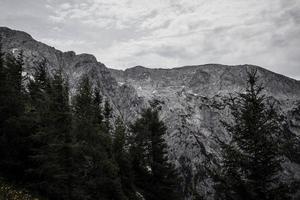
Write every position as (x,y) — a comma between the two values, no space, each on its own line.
(188,97)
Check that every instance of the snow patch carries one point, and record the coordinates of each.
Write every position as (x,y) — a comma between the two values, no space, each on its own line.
(192,93)
(14,50)
(121,83)
(148,168)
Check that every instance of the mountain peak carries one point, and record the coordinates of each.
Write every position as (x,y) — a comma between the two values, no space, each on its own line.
(6,32)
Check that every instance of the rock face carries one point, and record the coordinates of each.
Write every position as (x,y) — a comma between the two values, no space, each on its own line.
(188,98)
(207,80)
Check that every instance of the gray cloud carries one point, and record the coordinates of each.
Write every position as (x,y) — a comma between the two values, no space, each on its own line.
(168,33)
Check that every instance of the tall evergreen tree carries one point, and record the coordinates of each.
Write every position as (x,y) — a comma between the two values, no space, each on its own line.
(98,172)
(13,134)
(3,99)
(51,167)
(61,149)
(3,88)
(38,112)
(102,120)
(97,102)
(155,177)
(123,159)
(251,160)
(107,115)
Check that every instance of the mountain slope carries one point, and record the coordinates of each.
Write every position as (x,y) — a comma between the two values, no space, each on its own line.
(73,66)
(189,98)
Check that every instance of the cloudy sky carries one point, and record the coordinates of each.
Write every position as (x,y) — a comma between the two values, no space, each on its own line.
(166,33)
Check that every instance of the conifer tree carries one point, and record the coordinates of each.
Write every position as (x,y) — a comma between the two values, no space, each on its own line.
(38,112)
(62,148)
(51,167)
(155,177)
(13,134)
(97,101)
(3,82)
(107,115)
(98,172)
(251,160)
(291,142)
(102,120)
(123,159)
(3,99)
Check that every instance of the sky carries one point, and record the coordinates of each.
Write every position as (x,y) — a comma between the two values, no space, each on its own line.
(166,33)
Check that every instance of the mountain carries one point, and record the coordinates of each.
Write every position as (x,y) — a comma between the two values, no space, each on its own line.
(189,99)
(73,67)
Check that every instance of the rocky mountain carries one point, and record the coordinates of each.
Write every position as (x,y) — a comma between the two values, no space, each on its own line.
(189,98)
(74,66)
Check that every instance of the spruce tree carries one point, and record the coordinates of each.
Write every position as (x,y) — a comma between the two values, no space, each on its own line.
(3,102)
(13,130)
(123,159)
(155,177)
(38,112)
(50,172)
(252,159)
(3,88)
(107,115)
(61,149)
(97,171)
(102,117)
(97,102)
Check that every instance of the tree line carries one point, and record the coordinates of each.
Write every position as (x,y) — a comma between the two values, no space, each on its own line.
(66,148)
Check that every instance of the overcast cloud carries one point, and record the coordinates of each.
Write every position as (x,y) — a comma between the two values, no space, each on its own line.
(166,33)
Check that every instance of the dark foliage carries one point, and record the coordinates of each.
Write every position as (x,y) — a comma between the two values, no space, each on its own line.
(251,165)
(155,177)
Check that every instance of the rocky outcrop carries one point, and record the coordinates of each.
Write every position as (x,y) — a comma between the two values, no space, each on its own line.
(189,98)
(208,80)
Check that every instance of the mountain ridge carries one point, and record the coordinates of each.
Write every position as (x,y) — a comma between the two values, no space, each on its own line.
(210,74)
(7,30)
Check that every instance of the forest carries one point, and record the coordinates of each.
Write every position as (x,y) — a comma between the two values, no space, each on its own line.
(54,146)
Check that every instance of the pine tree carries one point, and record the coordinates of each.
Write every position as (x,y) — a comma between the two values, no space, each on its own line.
(13,134)
(4,109)
(98,172)
(154,175)
(50,172)
(61,149)
(251,160)
(102,120)
(98,107)
(123,159)
(3,99)
(3,88)
(119,143)
(107,115)
(38,112)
